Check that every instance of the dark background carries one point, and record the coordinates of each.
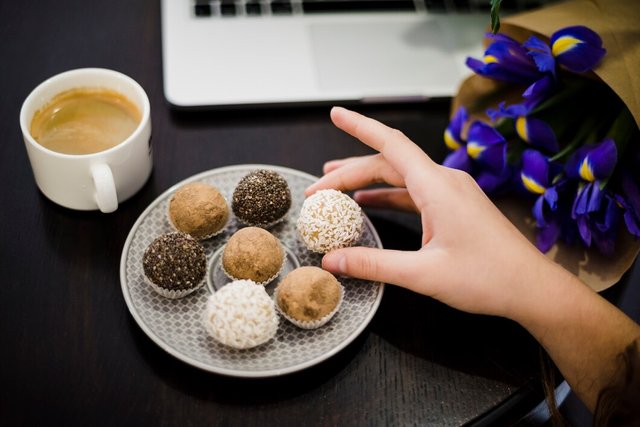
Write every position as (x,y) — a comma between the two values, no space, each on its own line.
(70,353)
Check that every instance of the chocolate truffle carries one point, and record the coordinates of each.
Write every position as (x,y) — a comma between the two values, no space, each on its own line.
(241,315)
(329,219)
(199,209)
(309,297)
(261,198)
(174,264)
(253,253)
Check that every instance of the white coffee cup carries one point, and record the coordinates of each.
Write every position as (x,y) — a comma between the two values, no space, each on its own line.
(98,180)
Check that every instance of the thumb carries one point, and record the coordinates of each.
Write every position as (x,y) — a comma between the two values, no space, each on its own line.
(378,265)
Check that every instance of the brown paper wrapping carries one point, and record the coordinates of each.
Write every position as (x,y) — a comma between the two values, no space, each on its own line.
(618,23)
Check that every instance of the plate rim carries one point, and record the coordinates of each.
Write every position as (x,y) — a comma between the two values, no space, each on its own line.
(220,370)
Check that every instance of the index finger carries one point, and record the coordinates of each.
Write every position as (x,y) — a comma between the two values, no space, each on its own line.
(397,149)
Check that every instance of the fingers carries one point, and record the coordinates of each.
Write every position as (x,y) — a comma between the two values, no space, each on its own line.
(401,153)
(332,165)
(378,265)
(357,173)
(386,198)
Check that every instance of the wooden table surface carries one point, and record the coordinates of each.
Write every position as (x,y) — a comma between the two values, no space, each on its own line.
(70,352)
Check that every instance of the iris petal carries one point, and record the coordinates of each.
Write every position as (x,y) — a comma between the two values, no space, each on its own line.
(541,54)
(536,168)
(487,146)
(577,48)
(551,197)
(602,159)
(458,159)
(494,183)
(538,212)
(584,229)
(539,91)
(453,133)
(450,140)
(548,236)
(593,162)
(594,198)
(505,59)
(537,132)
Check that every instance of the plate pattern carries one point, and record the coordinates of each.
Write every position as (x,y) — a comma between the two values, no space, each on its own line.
(176,325)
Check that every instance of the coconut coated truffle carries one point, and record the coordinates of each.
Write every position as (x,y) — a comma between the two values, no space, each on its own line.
(261,198)
(199,209)
(253,253)
(174,264)
(309,296)
(329,219)
(241,315)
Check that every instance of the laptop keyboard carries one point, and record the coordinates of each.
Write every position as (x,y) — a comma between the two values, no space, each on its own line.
(231,8)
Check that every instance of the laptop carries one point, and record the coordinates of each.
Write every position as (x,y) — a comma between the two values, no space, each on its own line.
(224,53)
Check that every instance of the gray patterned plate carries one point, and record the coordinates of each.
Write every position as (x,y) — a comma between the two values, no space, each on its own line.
(175,325)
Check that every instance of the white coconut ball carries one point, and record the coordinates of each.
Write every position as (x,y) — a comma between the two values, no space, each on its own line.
(241,315)
(329,219)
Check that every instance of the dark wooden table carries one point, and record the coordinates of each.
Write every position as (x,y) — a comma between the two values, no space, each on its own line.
(70,352)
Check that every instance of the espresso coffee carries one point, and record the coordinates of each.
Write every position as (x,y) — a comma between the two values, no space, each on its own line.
(85,121)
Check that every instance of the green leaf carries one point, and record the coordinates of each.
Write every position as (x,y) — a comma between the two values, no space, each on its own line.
(495,15)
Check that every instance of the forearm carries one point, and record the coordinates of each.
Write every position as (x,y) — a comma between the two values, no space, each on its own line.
(581,331)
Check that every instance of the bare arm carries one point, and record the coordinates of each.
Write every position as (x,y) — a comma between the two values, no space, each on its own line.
(474,260)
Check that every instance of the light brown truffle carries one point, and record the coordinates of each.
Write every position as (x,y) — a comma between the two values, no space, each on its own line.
(309,294)
(198,209)
(253,253)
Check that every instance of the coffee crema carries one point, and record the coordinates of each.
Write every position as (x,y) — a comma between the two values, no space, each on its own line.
(85,121)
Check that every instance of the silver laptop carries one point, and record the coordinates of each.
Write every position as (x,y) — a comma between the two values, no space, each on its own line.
(265,52)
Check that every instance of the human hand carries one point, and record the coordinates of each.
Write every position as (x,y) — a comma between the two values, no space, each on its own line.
(471,258)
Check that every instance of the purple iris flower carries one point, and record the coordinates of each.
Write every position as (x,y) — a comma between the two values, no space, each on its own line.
(538,176)
(483,155)
(593,162)
(458,159)
(530,129)
(505,59)
(601,225)
(577,48)
(487,147)
(594,209)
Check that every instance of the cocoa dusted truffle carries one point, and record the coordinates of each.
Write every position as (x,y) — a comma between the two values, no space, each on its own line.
(261,198)
(174,264)
(199,209)
(253,253)
(309,297)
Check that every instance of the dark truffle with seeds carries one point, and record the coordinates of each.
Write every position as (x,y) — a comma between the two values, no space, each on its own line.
(261,198)
(174,265)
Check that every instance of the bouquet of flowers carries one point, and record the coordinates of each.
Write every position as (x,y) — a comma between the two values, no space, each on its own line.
(551,133)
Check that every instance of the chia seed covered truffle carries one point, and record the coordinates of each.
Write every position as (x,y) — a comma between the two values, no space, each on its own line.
(253,253)
(241,315)
(199,209)
(174,265)
(329,219)
(261,198)
(309,297)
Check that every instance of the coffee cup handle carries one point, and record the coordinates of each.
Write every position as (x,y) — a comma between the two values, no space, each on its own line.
(105,195)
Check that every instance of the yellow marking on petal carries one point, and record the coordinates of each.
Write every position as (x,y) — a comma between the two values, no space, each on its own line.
(585,171)
(450,141)
(490,59)
(521,128)
(474,149)
(531,185)
(563,44)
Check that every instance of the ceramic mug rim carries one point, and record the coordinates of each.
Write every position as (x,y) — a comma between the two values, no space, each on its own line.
(32,98)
